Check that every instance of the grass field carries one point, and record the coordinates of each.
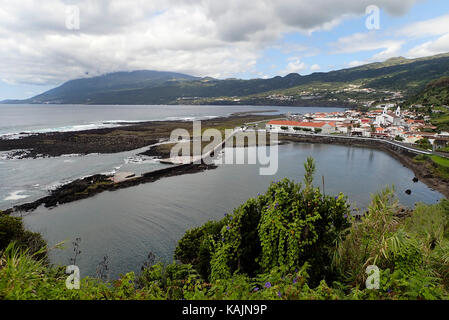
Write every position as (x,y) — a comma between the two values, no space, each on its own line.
(444,162)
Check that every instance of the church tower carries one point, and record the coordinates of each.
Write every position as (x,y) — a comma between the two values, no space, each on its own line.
(398,112)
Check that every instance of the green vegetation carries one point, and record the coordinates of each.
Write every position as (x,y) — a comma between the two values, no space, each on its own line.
(436,98)
(439,166)
(292,242)
(435,93)
(149,87)
(424,144)
(12,230)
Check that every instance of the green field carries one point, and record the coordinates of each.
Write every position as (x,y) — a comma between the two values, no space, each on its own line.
(444,162)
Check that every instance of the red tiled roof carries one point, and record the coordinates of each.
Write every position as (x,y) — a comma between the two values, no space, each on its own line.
(300,124)
(284,122)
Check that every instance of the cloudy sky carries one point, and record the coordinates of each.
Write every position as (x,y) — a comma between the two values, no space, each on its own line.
(44,43)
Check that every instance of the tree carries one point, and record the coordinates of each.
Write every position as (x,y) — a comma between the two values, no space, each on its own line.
(424,144)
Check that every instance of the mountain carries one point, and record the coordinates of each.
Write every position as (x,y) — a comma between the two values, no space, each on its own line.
(83,90)
(408,76)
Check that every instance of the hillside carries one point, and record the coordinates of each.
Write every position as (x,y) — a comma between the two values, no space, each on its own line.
(435,93)
(395,77)
(433,101)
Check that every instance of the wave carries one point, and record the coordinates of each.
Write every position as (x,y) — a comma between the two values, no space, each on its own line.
(15,195)
(95,125)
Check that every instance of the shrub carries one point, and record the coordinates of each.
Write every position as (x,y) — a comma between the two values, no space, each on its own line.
(195,246)
(295,225)
(370,240)
(424,144)
(429,224)
(11,229)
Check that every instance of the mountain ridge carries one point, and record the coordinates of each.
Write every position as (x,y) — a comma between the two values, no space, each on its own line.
(163,87)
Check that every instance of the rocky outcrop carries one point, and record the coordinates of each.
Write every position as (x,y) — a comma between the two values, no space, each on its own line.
(90,186)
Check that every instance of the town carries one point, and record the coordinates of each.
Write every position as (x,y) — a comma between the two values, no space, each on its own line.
(384,122)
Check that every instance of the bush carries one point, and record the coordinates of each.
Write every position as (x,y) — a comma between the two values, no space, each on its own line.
(424,144)
(12,230)
(370,240)
(294,226)
(195,246)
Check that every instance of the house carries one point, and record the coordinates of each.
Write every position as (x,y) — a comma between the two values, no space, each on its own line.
(344,127)
(441,143)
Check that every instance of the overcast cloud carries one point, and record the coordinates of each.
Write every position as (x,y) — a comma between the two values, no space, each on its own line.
(214,38)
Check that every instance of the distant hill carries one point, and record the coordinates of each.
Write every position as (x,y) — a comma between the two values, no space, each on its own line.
(409,76)
(435,93)
(85,89)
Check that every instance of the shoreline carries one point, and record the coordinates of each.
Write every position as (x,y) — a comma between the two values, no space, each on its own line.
(90,186)
(112,140)
(157,131)
(421,171)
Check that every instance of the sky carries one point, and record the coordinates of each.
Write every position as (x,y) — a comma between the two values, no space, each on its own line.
(45,43)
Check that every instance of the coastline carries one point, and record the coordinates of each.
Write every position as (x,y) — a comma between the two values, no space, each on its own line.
(90,186)
(421,171)
(112,140)
(95,184)
(157,131)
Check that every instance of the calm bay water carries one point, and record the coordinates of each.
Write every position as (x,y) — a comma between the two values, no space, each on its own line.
(127,224)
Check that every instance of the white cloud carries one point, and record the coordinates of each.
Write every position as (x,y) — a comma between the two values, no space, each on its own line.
(315,67)
(368,41)
(294,66)
(429,48)
(356,63)
(431,27)
(438,27)
(209,37)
